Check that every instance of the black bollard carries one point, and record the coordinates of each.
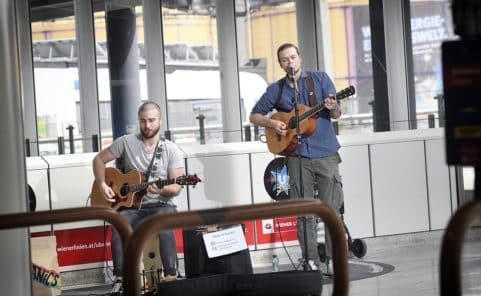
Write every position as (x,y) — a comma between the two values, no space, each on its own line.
(70,138)
(201,119)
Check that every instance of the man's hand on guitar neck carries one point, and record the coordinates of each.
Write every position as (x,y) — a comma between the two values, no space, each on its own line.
(331,104)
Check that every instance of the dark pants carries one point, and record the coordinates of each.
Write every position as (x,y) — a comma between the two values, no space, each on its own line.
(320,178)
(168,253)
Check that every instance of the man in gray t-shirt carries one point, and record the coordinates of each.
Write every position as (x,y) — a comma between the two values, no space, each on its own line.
(136,152)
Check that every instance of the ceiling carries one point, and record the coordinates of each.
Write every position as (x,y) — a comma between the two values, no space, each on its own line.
(43,10)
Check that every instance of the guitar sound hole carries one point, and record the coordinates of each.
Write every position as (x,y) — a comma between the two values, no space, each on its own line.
(292,123)
(124,190)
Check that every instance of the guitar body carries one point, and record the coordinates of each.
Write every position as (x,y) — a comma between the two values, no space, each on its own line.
(285,145)
(129,188)
(116,179)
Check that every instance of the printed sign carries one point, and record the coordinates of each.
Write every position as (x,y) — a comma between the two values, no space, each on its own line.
(223,242)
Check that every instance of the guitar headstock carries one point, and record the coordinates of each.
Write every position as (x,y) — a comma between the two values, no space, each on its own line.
(188,180)
(347,92)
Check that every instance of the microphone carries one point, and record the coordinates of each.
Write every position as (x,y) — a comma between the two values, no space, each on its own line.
(292,71)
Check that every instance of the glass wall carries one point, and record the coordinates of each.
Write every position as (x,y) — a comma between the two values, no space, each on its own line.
(431,24)
(103,78)
(192,63)
(261,29)
(350,45)
(264,27)
(56,78)
(192,71)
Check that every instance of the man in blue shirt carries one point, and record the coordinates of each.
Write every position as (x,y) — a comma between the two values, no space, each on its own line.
(314,164)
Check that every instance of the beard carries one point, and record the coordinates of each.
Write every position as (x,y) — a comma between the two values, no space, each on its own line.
(149,134)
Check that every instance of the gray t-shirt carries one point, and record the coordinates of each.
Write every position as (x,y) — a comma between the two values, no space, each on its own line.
(132,150)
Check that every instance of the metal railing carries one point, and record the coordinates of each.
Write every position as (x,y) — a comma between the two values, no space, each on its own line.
(16,220)
(452,246)
(155,223)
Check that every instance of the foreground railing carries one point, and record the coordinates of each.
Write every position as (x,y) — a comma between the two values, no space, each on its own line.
(144,231)
(452,245)
(17,220)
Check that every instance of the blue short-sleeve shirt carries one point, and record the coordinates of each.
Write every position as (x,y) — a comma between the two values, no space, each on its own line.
(279,95)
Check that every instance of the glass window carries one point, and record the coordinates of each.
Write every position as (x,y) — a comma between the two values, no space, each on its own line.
(103,78)
(352,63)
(261,28)
(56,76)
(192,70)
(431,24)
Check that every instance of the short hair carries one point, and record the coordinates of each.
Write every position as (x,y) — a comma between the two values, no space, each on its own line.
(286,46)
(148,105)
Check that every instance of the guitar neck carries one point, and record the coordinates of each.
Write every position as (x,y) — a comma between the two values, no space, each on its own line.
(319,107)
(143,186)
(311,112)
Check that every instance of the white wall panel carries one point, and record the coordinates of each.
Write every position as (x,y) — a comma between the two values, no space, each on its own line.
(225,181)
(356,179)
(71,179)
(259,162)
(399,188)
(439,187)
(390,198)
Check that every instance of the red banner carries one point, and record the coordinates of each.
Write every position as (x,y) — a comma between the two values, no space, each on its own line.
(92,244)
(276,230)
(83,245)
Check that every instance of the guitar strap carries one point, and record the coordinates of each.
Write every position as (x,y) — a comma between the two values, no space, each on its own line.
(154,163)
(310,89)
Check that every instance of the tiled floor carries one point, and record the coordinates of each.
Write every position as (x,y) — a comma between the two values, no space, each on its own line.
(416,269)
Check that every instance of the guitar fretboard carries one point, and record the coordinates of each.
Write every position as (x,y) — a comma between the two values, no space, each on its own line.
(143,186)
(349,91)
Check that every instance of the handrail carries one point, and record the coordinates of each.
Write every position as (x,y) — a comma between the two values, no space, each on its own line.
(16,220)
(451,247)
(157,222)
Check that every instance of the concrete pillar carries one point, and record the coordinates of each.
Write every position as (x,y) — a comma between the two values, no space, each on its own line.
(124,68)
(394,100)
(15,254)
(154,58)
(313,34)
(229,71)
(27,77)
(87,67)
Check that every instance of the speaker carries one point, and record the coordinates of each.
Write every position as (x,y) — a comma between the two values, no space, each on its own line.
(197,263)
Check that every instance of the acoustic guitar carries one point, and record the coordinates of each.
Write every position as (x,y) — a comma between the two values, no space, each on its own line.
(285,145)
(129,188)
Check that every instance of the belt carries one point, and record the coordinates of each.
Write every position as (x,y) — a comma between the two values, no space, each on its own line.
(301,156)
(154,205)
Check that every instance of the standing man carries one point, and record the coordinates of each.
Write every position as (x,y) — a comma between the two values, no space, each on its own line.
(149,154)
(315,160)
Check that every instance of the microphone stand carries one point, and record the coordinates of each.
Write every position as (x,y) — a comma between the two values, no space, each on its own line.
(306,266)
